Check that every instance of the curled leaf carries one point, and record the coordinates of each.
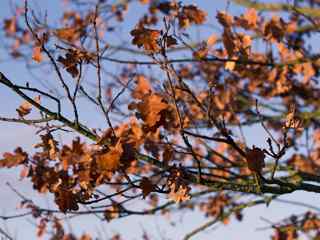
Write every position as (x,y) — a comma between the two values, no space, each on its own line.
(255,159)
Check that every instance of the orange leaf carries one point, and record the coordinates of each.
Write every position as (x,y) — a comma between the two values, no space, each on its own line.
(150,109)
(146,38)
(143,87)
(68,34)
(179,193)
(36,55)
(225,19)
(24,109)
(11,160)
(191,15)
(110,160)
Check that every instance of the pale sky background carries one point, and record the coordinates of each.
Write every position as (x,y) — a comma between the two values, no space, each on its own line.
(12,135)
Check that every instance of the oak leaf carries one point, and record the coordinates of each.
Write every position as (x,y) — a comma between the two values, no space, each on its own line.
(150,109)
(36,54)
(143,87)
(24,109)
(146,38)
(179,193)
(191,14)
(146,186)
(225,19)
(13,159)
(70,61)
(248,20)
(292,121)
(69,34)
(110,160)
(255,159)
(66,200)
(230,65)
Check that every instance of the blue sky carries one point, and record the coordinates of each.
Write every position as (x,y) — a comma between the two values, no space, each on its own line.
(13,135)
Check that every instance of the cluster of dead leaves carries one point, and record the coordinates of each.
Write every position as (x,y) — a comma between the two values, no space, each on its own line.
(276,28)
(190,14)
(152,107)
(149,39)
(215,205)
(72,59)
(178,186)
(295,226)
(14,159)
(75,26)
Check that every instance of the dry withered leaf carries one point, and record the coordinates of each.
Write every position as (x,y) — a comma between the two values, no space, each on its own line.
(179,193)
(292,121)
(248,20)
(66,200)
(150,107)
(26,107)
(10,26)
(112,212)
(146,186)
(49,145)
(13,159)
(70,62)
(36,54)
(142,88)
(212,40)
(146,38)
(75,154)
(255,159)
(275,29)
(110,160)
(200,53)
(230,65)
(191,14)
(225,19)
(171,41)
(69,34)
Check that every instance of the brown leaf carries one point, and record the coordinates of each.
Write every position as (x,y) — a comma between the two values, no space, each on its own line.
(171,41)
(75,154)
(190,14)
(225,19)
(255,159)
(292,121)
(150,109)
(143,87)
(70,62)
(202,52)
(66,200)
(248,20)
(179,193)
(36,54)
(146,38)
(24,109)
(69,34)
(110,160)
(10,26)
(13,159)
(146,186)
